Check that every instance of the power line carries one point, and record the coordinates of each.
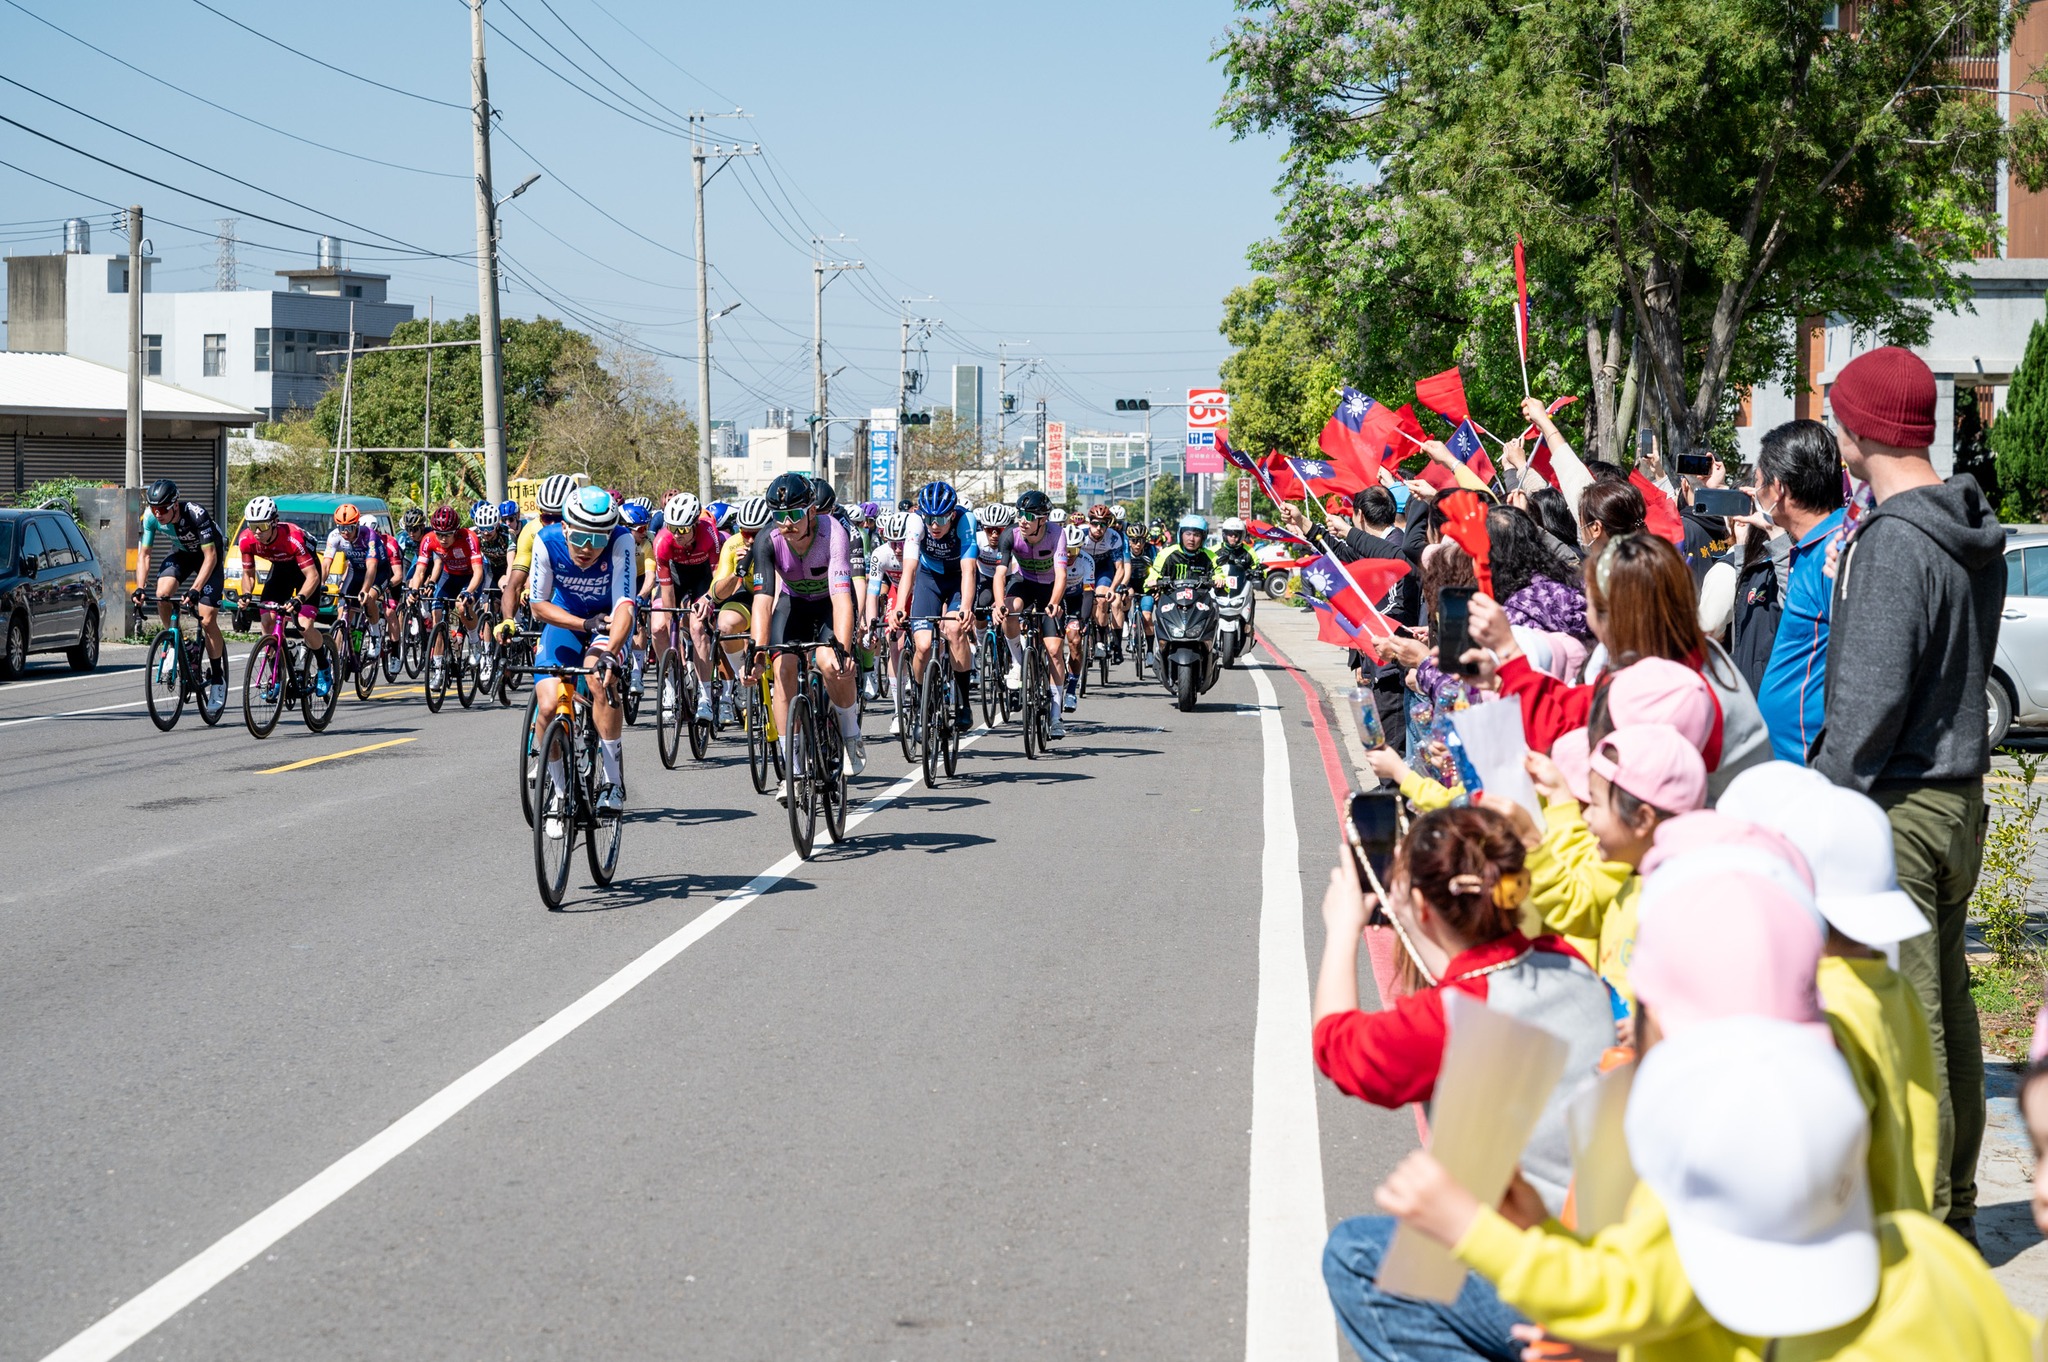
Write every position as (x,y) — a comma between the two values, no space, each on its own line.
(619,108)
(201,165)
(232,113)
(341,71)
(680,255)
(607,61)
(658,52)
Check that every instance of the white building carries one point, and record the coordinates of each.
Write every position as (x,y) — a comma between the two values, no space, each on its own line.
(251,348)
(771,452)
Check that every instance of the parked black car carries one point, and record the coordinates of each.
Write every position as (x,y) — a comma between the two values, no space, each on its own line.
(49,591)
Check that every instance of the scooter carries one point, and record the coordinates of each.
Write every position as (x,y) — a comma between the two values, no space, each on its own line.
(1184,624)
(1234,607)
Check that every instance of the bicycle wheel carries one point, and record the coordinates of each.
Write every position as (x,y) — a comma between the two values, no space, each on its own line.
(950,735)
(414,646)
(163,681)
(668,709)
(755,722)
(800,766)
(905,698)
(389,655)
(529,743)
(629,702)
(263,688)
(1089,633)
(318,710)
(832,781)
(462,666)
(1028,717)
(991,679)
(441,660)
(602,837)
(367,666)
(931,724)
(196,663)
(698,730)
(555,805)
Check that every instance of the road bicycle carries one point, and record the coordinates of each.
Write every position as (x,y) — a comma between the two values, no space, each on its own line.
(358,644)
(566,771)
(757,717)
(995,699)
(282,670)
(415,625)
(450,658)
(813,752)
(1035,697)
(676,689)
(936,709)
(1137,647)
(176,670)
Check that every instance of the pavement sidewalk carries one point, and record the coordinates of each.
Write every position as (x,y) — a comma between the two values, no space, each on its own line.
(2005,1169)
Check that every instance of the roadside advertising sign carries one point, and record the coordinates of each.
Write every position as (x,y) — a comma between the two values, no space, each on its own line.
(1208,409)
(1056,458)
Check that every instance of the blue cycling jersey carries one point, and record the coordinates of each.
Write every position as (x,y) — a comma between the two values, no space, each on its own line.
(582,591)
(940,553)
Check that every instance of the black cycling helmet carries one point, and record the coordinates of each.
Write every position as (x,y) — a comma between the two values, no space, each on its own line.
(162,492)
(822,496)
(903,503)
(1033,504)
(414,520)
(791,491)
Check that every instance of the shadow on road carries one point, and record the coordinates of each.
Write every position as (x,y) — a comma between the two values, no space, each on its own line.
(638,893)
(874,845)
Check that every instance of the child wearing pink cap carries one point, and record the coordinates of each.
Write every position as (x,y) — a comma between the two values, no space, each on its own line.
(1584,883)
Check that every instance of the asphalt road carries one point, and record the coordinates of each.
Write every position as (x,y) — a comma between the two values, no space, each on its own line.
(977,1084)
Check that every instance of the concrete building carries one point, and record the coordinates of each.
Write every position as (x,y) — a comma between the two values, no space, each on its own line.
(771,452)
(967,395)
(64,417)
(253,349)
(1972,352)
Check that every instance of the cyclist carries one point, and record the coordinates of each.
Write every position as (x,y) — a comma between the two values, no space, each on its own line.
(200,552)
(552,493)
(490,537)
(685,552)
(941,536)
(805,595)
(991,554)
(458,563)
(1038,548)
(1076,607)
(582,592)
(511,519)
(1131,594)
(733,584)
(384,545)
(1189,560)
(357,555)
(635,516)
(294,576)
(885,571)
(1110,551)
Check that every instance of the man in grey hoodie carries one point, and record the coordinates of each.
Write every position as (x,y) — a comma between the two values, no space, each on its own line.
(1919,586)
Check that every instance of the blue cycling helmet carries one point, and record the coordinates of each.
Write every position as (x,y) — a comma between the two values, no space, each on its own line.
(937,499)
(508,510)
(718,510)
(633,515)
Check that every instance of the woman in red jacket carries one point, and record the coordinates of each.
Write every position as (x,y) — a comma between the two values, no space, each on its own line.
(1457,883)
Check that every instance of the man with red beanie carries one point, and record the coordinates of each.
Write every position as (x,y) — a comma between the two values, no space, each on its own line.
(1919,586)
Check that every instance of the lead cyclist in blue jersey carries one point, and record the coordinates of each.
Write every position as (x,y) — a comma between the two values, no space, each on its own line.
(582,592)
(938,577)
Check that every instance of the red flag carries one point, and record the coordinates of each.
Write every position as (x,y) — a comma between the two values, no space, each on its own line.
(1539,458)
(1280,479)
(1332,629)
(1521,302)
(1437,476)
(1375,577)
(1357,434)
(1661,516)
(1465,526)
(1411,425)
(1444,394)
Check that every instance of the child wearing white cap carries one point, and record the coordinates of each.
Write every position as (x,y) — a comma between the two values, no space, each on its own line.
(1876,1016)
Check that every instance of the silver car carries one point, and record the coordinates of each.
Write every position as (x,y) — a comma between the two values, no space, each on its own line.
(2019,671)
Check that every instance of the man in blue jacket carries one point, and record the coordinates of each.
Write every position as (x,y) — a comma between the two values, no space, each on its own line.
(1799,486)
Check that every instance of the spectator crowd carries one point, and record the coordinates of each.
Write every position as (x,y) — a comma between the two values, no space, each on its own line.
(1757,744)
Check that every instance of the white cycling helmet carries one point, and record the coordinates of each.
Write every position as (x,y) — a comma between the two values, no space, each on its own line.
(590,510)
(370,523)
(895,525)
(754,514)
(484,517)
(1059,515)
(555,491)
(260,511)
(1116,513)
(998,516)
(1075,534)
(680,509)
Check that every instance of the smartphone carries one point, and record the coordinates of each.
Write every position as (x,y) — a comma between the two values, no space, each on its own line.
(1723,501)
(1372,826)
(1697,464)
(1454,628)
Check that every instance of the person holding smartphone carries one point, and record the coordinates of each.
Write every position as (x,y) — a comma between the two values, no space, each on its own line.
(1456,889)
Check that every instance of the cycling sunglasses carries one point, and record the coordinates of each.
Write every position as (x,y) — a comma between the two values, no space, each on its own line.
(587,539)
(791,515)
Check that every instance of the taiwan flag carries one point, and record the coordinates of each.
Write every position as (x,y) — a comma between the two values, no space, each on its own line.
(1444,394)
(1333,629)
(1466,445)
(1345,586)
(1325,475)
(1357,435)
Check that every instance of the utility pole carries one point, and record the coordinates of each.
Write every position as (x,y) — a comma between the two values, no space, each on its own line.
(821,429)
(487,265)
(699,154)
(136,358)
(1003,403)
(909,383)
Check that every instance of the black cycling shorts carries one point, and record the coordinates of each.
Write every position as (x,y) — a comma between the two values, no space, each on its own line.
(1025,594)
(800,621)
(182,565)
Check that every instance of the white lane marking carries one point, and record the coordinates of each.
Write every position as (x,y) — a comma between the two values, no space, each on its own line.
(99,674)
(135,1318)
(1287,1314)
(69,714)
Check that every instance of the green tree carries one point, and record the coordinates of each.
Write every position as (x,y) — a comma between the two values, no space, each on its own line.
(941,451)
(616,419)
(1691,176)
(1282,379)
(2019,437)
(391,387)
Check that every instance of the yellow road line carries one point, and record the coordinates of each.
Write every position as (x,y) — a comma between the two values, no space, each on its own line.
(334,756)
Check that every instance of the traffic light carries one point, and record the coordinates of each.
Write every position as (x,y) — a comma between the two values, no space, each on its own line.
(915,418)
(1009,403)
(1134,404)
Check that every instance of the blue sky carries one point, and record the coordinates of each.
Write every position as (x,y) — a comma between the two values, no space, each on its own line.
(1048,175)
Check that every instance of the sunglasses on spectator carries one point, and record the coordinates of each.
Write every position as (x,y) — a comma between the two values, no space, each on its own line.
(588,539)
